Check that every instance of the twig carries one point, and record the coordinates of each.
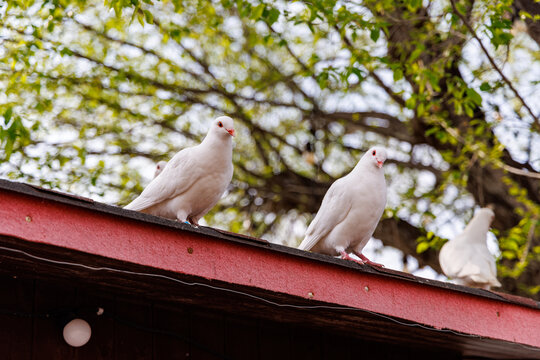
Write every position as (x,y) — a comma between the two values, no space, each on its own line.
(454,133)
(492,62)
(398,99)
(517,171)
(530,236)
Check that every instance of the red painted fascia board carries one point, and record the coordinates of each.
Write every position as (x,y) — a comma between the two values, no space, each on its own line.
(41,220)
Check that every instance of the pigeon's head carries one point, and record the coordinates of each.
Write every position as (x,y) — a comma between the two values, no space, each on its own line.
(377,156)
(487,214)
(159,167)
(224,125)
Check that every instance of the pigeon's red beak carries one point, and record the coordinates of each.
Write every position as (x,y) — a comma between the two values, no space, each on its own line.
(379,164)
(231,131)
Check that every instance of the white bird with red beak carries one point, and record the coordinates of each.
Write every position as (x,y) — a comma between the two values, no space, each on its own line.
(350,210)
(193,180)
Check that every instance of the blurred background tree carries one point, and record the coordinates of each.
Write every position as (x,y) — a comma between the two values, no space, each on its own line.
(94,93)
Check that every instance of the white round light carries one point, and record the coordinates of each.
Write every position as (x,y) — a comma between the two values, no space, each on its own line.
(77,332)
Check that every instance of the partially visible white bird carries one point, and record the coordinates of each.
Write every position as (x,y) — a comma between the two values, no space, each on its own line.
(467,259)
(193,180)
(350,210)
(159,168)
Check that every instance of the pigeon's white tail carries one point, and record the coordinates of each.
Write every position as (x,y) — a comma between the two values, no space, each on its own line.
(307,243)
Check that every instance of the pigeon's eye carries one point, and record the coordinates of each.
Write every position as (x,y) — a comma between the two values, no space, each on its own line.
(220,124)
(374,152)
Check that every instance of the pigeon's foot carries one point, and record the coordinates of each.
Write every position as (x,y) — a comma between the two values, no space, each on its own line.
(346,256)
(366,260)
(193,223)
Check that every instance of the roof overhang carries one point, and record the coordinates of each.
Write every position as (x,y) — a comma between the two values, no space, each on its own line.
(46,233)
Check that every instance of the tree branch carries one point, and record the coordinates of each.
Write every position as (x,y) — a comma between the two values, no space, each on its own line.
(136,46)
(398,99)
(395,128)
(492,62)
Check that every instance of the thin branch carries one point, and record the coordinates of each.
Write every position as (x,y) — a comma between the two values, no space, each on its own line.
(137,46)
(406,164)
(249,172)
(398,99)
(520,172)
(291,53)
(454,133)
(417,166)
(200,61)
(285,79)
(530,237)
(299,62)
(136,77)
(395,129)
(492,61)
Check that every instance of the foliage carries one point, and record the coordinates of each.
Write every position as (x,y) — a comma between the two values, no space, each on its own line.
(96,92)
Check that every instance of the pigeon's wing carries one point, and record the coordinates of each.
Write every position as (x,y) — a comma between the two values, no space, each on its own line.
(468,262)
(177,177)
(334,208)
(481,267)
(493,272)
(452,258)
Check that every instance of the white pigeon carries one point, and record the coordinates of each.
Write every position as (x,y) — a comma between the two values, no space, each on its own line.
(159,168)
(193,180)
(350,210)
(467,258)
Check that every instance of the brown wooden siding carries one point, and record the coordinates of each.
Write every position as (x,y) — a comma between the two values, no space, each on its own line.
(132,328)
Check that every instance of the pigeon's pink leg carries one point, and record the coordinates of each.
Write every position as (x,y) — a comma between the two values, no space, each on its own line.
(366,260)
(192,221)
(346,256)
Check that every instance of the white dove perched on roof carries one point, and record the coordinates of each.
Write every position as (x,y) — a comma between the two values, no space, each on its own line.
(350,210)
(193,180)
(159,168)
(467,258)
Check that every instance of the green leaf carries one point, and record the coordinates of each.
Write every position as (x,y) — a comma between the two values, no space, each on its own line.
(257,12)
(420,110)
(358,73)
(139,16)
(398,74)
(485,86)
(273,15)
(148,16)
(7,115)
(421,247)
(468,110)
(413,5)
(8,148)
(431,130)
(508,255)
(410,103)
(322,79)
(474,96)
(66,51)
(374,34)
(416,53)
